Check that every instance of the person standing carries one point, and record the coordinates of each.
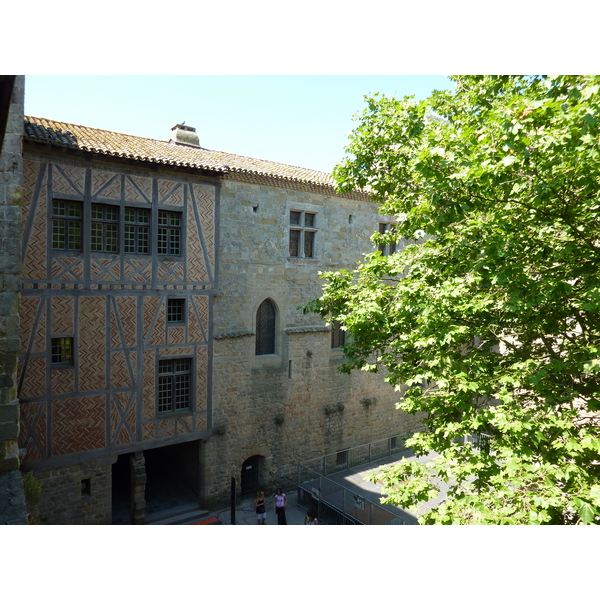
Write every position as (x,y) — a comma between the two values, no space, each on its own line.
(261,508)
(280,502)
(311,517)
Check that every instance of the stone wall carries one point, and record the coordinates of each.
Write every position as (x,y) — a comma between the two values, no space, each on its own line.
(294,405)
(77,494)
(12,508)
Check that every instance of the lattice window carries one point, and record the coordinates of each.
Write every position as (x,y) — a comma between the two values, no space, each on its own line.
(66,225)
(174,385)
(303,234)
(169,233)
(265,328)
(136,233)
(105,228)
(175,310)
(62,351)
(338,335)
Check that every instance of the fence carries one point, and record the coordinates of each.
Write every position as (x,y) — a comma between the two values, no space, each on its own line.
(481,441)
(336,504)
(354,457)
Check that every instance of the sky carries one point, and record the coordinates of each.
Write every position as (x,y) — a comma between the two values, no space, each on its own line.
(300,120)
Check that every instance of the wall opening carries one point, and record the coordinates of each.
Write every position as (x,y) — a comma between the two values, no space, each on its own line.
(121,491)
(173,477)
(252,476)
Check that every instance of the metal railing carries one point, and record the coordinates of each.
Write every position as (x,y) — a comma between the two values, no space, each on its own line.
(336,504)
(481,441)
(356,456)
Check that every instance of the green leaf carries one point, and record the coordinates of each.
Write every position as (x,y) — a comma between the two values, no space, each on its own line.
(595,494)
(586,512)
(496,304)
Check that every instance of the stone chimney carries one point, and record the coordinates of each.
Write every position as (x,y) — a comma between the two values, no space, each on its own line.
(184,134)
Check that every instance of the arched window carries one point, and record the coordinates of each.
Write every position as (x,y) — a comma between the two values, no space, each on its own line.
(265,328)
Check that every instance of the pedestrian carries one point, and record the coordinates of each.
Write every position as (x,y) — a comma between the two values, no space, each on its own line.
(261,508)
(311,517)
(280,502)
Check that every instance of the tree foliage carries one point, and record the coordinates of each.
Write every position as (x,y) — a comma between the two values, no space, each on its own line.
(488,322)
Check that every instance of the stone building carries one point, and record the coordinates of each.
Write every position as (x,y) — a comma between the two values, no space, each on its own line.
(163,352)
(12,502)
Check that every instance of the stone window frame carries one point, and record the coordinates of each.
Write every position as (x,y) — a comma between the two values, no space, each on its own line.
(306,227)
(338,335)
(265,321)
(268,361)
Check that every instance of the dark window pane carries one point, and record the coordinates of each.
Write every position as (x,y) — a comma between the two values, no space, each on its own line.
(174,245)
(74,209)
(96,211)
(265,328)
(66,225)
(309,241)
(175,310)
(111,237)
(294,242)
(112,213)
(143,240)
(136,234)
(58,234)
(169,234)
(163,236)
(74,235)
(338,335)
(62,350)
(174,385)
(96,241)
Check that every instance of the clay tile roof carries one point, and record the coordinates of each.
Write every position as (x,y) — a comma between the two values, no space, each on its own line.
(121,145)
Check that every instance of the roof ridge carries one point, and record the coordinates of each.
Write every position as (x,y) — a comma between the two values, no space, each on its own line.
(143,149)
(170,143)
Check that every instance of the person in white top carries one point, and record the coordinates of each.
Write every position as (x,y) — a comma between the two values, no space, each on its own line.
(280,502)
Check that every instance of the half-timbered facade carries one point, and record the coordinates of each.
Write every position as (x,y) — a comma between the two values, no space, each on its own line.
(162,348)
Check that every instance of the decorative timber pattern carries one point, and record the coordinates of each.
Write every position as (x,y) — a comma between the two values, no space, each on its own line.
(113,308)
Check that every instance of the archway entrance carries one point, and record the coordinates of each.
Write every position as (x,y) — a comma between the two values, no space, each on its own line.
(251,477)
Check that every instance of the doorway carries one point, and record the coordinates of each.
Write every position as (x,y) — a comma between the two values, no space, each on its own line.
(121,490)
(173,476)
(251,475)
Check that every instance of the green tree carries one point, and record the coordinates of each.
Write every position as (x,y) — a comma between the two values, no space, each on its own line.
(488,321)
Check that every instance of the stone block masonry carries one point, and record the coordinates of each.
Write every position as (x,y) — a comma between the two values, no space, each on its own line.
(293,405)
(77,494)
(12,505)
